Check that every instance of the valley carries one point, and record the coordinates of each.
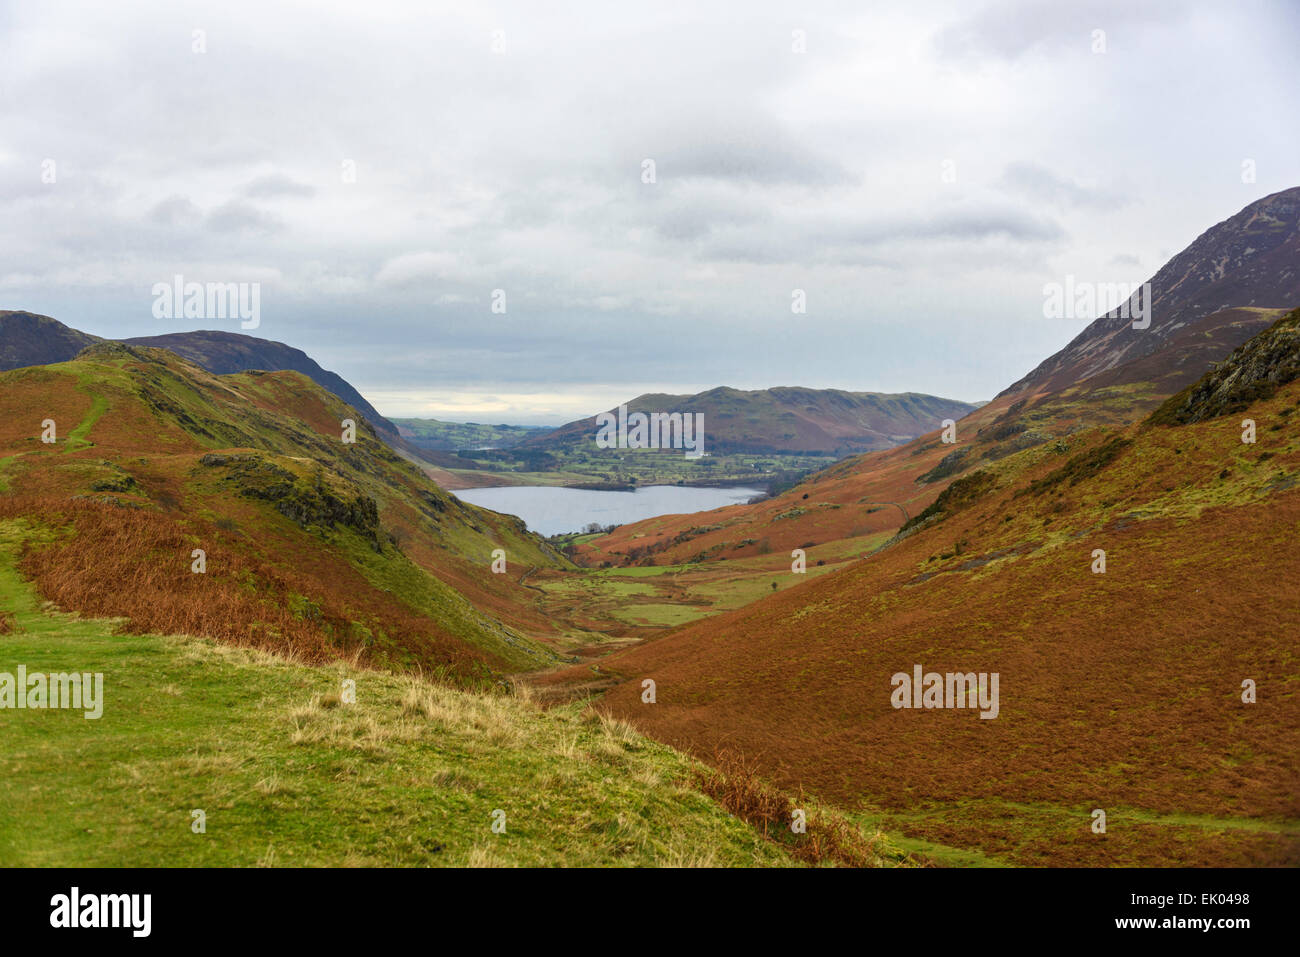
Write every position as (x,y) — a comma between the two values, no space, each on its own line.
(307,634)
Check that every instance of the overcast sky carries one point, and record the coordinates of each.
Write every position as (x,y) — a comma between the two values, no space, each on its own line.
(920,171)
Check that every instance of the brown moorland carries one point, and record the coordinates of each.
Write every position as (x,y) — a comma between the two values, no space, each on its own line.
(1120,691)
(312,544)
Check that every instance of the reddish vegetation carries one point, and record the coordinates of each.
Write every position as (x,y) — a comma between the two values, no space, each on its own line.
(1119,691)
(139,439)
(828,838)
(860,496)
(136,564)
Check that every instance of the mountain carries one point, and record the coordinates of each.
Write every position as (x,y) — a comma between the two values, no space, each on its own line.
(27,339)
(783,420)
(225,352)
(1237,279)
(1249,261)
(314,545)
(1121,684)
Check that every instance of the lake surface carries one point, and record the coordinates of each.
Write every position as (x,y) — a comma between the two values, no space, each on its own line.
(550,510)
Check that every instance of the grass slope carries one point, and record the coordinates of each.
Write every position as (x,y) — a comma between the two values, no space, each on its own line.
(252,467)
(1120,690)
(409,775)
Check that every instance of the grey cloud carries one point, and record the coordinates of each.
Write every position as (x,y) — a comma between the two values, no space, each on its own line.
(277,184)
(176,211)
(1040,184)
(1010,29)
(237,216)
(835,239)
(688,215)
(740,146)
(774,171)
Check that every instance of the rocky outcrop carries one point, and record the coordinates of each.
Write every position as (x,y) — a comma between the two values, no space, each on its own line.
(1252,372)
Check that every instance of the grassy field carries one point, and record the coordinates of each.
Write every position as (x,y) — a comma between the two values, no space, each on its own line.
(409,775)
(449,436)
(661,596)
(625,468)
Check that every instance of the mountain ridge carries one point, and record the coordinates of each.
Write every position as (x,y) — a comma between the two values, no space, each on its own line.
(784,419)
(1250,259)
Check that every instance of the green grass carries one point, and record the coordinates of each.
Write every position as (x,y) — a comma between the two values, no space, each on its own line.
(77,437)
(407,582)
(662,614)
(449,436)
(409,775)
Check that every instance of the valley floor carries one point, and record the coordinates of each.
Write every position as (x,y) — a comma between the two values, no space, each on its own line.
(286,774)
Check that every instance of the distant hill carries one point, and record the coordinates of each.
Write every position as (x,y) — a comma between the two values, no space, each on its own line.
(1251,260)
(27,339)
(224,352)
(784,420)
(450,436)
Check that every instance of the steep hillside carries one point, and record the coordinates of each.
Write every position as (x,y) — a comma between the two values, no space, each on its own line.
(785,420)
(1120,685)
(27,339)
(222,353)
(1254,371)
(1249,260)
(313,545)
(1237,279)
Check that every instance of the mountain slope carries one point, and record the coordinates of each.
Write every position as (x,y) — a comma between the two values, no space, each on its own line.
(784,419)
(1249,260)
(1119,690)
(314,545)
(27,339)
(408,775)
(222,353)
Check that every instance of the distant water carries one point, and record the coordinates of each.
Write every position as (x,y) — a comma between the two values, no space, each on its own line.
(550,511)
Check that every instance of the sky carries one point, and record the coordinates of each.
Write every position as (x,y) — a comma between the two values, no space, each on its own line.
(386,172)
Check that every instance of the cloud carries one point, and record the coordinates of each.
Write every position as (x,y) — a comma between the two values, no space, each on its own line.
(522,171)
(237,216)
(1039,184)
(740,148)
(176,211)
(417,267)
(276,184)
(1011,30)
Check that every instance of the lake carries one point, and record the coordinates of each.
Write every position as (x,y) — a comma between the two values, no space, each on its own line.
(550,510)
